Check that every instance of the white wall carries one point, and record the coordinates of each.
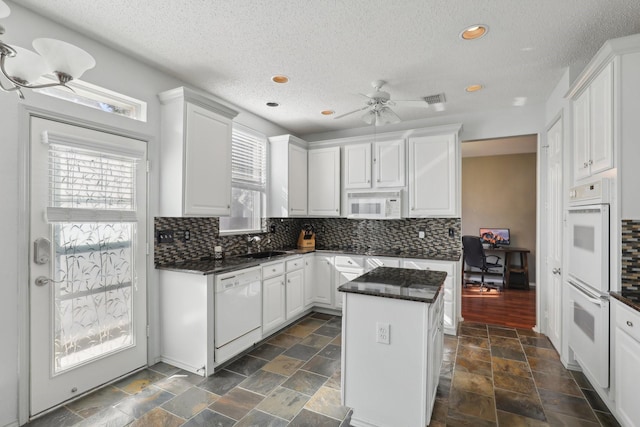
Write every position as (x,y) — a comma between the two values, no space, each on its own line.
(114,71)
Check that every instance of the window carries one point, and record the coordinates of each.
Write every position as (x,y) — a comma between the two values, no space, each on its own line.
(97,97)
(248,182)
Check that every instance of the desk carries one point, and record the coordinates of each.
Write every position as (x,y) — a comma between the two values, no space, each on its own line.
(509,252)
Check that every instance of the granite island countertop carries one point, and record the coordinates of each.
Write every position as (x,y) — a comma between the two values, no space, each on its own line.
(398,283)
(209,265)
(629,295)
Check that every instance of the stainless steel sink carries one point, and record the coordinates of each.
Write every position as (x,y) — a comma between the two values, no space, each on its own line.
(261,255)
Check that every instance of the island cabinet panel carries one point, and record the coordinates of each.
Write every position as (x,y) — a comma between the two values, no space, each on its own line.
(390,384)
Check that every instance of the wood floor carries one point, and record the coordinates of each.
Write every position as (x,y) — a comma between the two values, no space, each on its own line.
(515,308)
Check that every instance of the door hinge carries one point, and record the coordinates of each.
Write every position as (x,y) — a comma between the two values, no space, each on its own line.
(148,248)
(148,331)
(148,166)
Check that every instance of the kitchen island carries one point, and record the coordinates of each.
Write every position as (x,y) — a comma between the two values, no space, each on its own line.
(392,338)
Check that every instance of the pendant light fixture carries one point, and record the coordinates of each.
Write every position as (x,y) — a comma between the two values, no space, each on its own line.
(22,67)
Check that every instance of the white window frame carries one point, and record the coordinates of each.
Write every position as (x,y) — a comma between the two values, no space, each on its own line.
(261,189)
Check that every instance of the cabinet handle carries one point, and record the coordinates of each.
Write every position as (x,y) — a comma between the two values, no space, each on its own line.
(289,281)
(378,179)
(590,162)
(228,206)
(349,262)
(336,210)
(282,283)
(368,181)
(274,270)
(586,165)
(630,323)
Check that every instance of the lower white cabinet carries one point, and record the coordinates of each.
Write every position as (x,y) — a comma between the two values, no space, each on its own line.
(375,262)
(309,281)
(323,283)
(451,311)
(347,268)
(627,363)
(273,303)
(294,288)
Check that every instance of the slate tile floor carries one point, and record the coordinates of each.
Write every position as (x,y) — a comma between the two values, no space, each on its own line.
(490,376)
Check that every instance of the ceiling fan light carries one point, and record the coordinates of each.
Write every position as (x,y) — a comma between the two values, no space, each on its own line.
(387,116)
(64,58)
(369,117)
(26,66)
(4,10)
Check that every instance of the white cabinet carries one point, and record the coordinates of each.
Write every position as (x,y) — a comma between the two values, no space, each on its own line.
(294,287)
(288,190)
(347,268)
(375,262)
(324,182)
(385,169)
(323,272)
(593,126)
(434,176)
(195,153)
(627,361)
(357,165)
(309,280)
(273,303)
(388,163)
(451,297)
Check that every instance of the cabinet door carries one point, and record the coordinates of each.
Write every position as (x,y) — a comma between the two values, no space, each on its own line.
(375,262)
(297,180)
(581,133)
(309,281)
(389,163)
(324,182)
(295,293)
(273,303)
(207,160)
(627,375)
(601,115)
(433,180)
(357,166)
(343,276)
(323,267)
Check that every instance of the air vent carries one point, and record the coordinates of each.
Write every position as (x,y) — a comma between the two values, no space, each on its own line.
(435,99)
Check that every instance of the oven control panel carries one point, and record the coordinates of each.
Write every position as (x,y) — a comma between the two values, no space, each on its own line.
(596,192)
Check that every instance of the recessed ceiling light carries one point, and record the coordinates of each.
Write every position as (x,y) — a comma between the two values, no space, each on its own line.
(474,32)
(519,101)
(279,78)
(272,104)
(473,88)
(327,112)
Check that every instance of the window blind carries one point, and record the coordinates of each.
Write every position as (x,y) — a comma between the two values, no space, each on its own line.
(248,159)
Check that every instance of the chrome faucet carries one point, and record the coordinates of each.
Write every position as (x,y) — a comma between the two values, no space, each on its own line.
(250,240)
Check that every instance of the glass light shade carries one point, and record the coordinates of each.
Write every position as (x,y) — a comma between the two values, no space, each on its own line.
(387,116)
(63,57)
(369,117)
(26,66)
(4,10)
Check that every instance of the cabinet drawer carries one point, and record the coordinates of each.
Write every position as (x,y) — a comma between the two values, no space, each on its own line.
(348,261)
(628,320)
(429,265)
(272,270)
(295,264)
(375,262)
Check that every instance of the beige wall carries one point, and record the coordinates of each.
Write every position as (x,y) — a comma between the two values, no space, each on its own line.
(500,191)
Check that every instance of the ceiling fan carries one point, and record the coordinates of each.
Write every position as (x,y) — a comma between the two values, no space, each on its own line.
(379,103)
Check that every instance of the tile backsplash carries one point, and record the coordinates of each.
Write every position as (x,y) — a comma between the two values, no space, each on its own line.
(399,236)
(630,252)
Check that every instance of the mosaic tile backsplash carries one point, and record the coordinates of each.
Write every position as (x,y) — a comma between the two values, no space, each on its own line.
(399,236)
(630,252)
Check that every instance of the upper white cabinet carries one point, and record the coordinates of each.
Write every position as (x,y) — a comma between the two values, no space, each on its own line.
(288,177)
(195,155)
(434,176)
(388,163)
(384,169)
(357,166)
(593,126)
(324,182)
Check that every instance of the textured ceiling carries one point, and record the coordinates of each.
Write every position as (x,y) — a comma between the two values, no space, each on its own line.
(333,49)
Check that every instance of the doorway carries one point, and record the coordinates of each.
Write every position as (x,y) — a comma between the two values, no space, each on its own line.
(499,191)
(87,266)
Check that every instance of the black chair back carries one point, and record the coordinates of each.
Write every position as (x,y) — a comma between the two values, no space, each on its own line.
(474,252)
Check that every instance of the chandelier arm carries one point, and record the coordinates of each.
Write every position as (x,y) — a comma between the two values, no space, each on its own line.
(18,84)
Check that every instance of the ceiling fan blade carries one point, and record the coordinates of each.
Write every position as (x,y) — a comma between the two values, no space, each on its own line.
(351,112)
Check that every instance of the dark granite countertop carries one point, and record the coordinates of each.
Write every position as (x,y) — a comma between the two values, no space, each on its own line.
(630,295)
(398,283)
(208,265)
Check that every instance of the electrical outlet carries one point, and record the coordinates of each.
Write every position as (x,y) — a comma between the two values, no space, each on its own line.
(452,232)
(382,333)
(421,234)
(165,236)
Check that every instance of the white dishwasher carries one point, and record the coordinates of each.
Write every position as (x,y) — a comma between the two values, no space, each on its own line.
(237,312)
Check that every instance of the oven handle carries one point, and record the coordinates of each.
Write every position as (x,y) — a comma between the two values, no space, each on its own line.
(588,295)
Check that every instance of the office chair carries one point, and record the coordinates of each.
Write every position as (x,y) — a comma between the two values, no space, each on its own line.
(474,256)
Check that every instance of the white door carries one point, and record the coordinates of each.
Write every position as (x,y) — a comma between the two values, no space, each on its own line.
(273,308)
(389,163)
(88,263)
(555,234)
(295,293)
(324,182)
(357,166)
(297,180)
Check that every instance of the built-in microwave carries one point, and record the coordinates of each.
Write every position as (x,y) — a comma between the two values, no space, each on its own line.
(379,205)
